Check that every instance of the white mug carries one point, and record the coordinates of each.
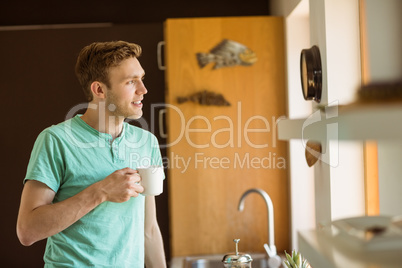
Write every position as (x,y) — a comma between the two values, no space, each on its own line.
(151,179)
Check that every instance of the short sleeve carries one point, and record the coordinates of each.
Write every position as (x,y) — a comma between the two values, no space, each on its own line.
(156,152)
(45,164)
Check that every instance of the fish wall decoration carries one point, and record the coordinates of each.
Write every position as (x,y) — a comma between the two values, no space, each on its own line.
(205,97)
(227,53)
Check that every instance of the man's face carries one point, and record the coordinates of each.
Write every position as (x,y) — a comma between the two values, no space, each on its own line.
(127,89)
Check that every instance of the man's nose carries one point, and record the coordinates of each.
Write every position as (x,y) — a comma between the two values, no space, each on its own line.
(141,90)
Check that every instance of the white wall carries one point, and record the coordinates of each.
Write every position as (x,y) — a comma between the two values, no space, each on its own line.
(301,176)
(384,33)
(334,188)
(334,28)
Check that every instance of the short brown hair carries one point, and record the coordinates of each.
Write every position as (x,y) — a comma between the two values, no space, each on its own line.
(95,60)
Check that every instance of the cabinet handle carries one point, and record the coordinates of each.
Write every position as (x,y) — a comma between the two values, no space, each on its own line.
(159,55)
(162,131)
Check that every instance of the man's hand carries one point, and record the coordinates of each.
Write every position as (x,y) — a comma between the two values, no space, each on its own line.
(39,217)
(121,185)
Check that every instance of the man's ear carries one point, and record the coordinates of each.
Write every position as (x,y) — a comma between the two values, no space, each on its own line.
(98,90)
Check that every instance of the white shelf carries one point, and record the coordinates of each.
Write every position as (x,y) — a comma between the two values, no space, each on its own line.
(364,122)
(321,251)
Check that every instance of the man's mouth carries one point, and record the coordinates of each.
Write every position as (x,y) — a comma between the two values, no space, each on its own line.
(137,103)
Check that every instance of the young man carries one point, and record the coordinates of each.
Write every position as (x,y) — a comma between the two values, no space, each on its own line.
(81,189)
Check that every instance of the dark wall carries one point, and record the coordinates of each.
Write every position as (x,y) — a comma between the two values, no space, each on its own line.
(26,12)
(39,89)
(38,86)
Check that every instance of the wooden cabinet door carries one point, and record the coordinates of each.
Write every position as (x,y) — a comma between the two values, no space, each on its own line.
(216,153)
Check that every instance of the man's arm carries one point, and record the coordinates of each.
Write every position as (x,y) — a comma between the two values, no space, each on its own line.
(154,252)
(38,218)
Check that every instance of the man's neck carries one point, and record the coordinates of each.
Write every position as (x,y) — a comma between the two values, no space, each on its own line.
(103,121)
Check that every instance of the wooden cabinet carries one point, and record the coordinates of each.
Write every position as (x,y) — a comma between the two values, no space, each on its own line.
(216,153)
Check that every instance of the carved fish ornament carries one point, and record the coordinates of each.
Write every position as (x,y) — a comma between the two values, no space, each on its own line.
(226,54)
(205,97)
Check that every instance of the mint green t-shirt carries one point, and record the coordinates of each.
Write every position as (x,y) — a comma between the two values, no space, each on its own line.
(69,157)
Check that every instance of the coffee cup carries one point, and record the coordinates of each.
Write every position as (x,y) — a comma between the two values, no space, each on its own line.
(151,179)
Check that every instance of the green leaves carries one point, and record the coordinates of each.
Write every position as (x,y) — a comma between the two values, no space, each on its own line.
(295,261)
(290,263)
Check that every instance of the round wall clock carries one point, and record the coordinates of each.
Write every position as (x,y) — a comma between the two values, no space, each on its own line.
(311,73)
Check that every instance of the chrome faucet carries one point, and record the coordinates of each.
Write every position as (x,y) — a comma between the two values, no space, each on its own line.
(274,260)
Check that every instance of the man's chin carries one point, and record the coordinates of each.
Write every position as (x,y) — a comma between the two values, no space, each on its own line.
(135,116)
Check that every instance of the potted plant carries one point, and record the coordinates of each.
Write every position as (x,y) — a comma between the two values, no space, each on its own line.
(296,260)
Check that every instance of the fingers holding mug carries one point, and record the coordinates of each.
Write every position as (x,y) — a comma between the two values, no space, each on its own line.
(137,188)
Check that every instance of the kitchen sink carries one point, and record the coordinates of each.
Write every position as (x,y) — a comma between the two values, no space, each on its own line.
(215,261)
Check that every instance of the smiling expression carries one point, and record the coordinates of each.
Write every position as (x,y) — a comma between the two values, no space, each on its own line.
(127,89)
